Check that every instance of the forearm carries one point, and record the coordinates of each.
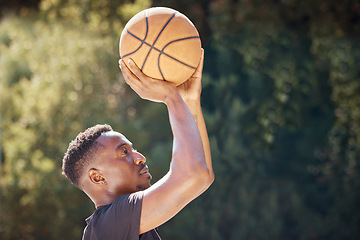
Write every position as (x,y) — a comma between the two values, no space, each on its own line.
(188,176)
(188,151)
(196,111)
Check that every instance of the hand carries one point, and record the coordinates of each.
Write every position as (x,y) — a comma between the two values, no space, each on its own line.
(190,90)
(146,87)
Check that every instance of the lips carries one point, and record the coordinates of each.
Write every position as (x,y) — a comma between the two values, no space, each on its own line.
(144,170)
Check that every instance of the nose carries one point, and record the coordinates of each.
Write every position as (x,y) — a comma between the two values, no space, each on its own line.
(139,159)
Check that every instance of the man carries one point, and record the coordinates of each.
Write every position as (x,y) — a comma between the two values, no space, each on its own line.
(103,164)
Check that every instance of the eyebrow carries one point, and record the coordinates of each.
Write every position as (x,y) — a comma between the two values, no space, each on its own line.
(122,144)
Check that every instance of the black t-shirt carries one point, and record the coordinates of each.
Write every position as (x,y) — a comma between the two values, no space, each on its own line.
(119,220)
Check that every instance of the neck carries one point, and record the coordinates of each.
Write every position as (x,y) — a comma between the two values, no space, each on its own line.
(100,198)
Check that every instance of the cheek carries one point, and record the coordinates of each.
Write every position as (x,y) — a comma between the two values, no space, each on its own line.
(120,174)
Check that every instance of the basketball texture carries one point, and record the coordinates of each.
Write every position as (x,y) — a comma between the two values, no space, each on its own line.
(163,43)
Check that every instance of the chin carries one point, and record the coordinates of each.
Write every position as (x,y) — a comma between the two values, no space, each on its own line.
(143,186)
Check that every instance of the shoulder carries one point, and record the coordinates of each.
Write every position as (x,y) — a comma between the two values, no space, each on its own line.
(130,201)
(120,218)
(123,206)
(126,203)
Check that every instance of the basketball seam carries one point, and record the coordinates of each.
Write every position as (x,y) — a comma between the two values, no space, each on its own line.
(174,58)
(162,50)
(136,37)
(153,44)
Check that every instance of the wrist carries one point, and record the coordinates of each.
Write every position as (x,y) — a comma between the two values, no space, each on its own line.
(172,96)
(192,103)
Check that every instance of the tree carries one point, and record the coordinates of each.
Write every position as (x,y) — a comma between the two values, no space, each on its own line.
(58,78)
(280,98)
(280,95)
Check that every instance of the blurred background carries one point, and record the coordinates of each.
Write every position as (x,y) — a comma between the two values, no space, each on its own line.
(281,99)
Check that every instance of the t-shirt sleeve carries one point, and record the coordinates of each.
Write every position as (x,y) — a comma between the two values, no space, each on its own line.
(120,220)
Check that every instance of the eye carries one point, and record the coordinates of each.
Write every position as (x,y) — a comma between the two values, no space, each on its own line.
(124,151)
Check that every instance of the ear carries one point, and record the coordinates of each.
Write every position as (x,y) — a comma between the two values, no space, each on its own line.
(96,177)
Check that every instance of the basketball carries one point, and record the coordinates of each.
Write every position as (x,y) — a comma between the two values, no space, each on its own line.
(163,43)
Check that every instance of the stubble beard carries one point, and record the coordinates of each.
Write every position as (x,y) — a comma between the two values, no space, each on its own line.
(142,187)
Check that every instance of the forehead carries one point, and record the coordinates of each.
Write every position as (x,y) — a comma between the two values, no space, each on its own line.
(112,138)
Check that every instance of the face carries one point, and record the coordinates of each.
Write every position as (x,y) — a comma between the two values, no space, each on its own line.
(122,167)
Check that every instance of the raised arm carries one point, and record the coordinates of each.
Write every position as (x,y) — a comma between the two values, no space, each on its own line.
(188,175)
(190,91)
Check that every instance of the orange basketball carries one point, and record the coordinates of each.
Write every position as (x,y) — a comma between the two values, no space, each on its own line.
(163,43)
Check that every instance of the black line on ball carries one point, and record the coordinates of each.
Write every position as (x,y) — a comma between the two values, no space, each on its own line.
(179,61)
(136,37)
(157,37)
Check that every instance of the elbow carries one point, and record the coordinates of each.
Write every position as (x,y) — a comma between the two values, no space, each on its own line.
(198,174)
(206,178)
(195,182)
(210,178)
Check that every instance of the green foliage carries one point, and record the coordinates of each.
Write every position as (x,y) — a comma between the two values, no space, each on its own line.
(38,112)
(280,98)
(105,16)
(58,78)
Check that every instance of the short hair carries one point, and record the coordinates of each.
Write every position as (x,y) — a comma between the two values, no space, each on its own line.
(81,151)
